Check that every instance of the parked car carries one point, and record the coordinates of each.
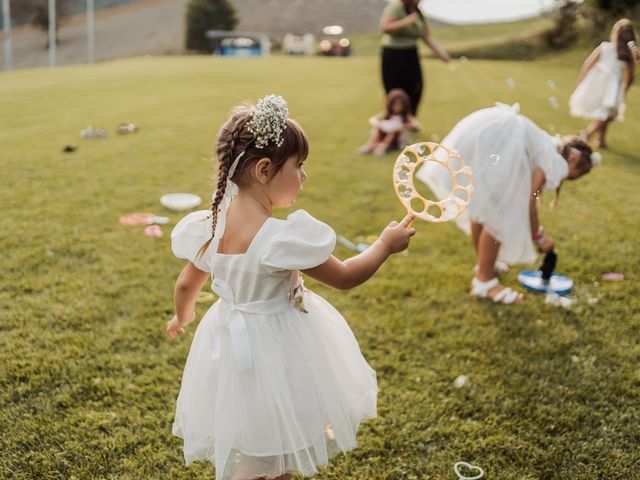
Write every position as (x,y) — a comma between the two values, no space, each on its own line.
(334,44)
(239,44)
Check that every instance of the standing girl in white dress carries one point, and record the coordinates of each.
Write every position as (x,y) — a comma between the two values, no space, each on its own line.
(605,77)
(274,382)
(513,161)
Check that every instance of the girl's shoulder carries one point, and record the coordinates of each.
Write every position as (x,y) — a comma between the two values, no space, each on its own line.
(299,242)
(189,235)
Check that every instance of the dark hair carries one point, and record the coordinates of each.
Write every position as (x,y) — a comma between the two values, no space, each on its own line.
(397,94)
(577,143)
(411,7)
(234,139)
(621,34)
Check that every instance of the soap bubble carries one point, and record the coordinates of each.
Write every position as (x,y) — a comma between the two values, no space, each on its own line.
(553,101)
(551,84)
(464,59)
(511,83)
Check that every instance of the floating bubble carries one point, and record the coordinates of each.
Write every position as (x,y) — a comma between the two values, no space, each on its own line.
(552,128)
(403,174)
(553,101)
(551,84)
(464,59)
(494,159)
(435,137)
(405,191)
(511,83)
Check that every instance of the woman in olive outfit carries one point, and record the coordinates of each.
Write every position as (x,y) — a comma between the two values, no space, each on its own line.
(403,24)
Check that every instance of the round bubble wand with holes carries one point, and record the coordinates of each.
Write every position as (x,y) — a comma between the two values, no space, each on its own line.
(410,160)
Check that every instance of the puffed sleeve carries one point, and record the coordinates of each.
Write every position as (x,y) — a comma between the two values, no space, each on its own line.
(189,235)
(302,242)
(542,150)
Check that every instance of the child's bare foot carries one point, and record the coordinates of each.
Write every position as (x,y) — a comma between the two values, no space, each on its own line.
(364,149)
(380,149)
(602,145)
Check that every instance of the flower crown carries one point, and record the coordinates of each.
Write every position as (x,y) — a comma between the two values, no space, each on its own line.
(269,120)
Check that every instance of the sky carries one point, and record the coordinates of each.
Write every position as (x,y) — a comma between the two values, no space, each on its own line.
(480,11)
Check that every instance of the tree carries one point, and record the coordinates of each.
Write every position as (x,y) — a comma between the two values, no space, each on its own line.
(565,30)
(203,15)
(36,12)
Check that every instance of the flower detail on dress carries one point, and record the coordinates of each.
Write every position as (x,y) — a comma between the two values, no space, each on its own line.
(269,120)
(297,291)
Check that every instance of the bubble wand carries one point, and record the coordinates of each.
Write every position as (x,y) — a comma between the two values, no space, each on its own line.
(410,160)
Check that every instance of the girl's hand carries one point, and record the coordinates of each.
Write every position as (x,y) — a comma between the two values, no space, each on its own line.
(396,236)
(546,244)
(175,327)
(411,19)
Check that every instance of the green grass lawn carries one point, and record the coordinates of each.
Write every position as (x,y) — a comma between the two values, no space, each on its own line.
(88,380)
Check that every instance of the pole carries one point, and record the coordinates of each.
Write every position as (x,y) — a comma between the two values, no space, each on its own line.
(91,34)
(6,28)
(52,33)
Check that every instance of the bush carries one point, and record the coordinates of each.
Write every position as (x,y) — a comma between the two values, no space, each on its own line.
(565,31)
(203,15)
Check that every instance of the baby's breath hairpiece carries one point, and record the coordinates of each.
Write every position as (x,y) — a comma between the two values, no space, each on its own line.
(269,120)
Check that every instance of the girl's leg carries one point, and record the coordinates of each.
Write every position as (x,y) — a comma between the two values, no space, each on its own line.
(476,230)
(592,128)
(487,254)
(371,143)
(382,147)
(602,133)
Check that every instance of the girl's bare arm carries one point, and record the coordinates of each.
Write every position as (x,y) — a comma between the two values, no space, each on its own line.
(589,63)
(189,283)
(388,24)
(357,270)
(434,45)
(629,76)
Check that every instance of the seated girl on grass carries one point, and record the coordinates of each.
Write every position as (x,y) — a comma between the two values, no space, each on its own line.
(390,129)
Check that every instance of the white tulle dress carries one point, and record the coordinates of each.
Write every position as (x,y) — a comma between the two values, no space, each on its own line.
(269,388)
(600,95)
(503,148)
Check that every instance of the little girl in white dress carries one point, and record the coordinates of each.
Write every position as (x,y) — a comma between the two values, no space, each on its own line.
(390,129)
(275,382)
(513,161)
(604,79)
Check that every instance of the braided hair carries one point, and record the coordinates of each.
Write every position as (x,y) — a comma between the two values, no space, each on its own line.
(235,139)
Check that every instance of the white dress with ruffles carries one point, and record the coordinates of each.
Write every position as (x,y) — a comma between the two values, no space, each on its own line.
(503,148)
(600,94)
(267,388)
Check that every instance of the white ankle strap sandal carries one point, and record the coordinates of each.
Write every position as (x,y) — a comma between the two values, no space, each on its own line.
(481,289)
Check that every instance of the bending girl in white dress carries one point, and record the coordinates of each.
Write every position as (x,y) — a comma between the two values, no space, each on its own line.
(513,161)
(604,79)
(275,382)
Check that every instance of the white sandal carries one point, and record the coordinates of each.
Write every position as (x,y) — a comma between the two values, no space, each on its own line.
(480,289)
